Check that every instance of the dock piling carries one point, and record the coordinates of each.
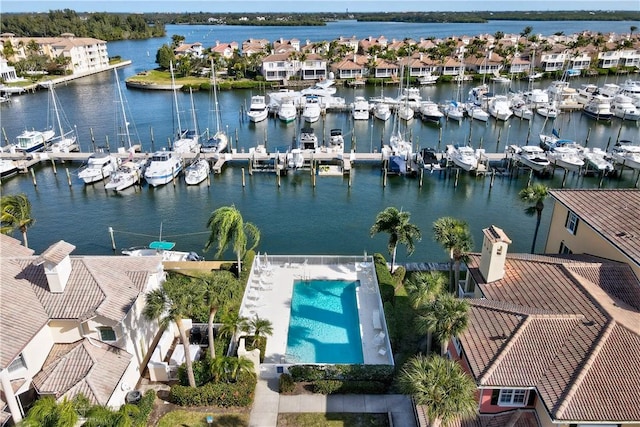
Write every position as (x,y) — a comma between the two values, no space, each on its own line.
(113,241)
(455,183)
(243,181)
(68,176)
(33,176)
(53,164)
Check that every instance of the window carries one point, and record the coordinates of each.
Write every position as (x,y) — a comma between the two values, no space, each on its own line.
(572,222)
(457,345)
(107,334)
(513,397)
(17,364)
(564,249)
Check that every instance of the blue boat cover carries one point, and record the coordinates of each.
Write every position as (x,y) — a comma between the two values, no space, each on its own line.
(162,246)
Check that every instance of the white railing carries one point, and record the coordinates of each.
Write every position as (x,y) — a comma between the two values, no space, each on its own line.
(262,259)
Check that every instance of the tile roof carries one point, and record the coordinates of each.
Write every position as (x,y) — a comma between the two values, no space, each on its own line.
(567,327)
(10,247)
(56,252)
(615,218)
(88,367)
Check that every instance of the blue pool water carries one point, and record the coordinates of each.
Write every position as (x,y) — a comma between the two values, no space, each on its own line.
(324,326)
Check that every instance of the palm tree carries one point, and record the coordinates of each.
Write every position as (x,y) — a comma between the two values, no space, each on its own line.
(46,412)
(227,368)
(455,237)
(422,289)
(396,224)
(102,416)
(534,195)
(442,386)
(226,226)
(259,327)
(178,298)
(232,322)
(16,213)
(219,290)
(446,317)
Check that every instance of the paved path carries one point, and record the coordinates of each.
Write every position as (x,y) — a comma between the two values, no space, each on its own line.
(268,403)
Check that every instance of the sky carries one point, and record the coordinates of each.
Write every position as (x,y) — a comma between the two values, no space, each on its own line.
(8,6)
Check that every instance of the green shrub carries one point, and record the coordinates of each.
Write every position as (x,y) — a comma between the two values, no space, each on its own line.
(349,387)
(398,275)
(201,372)
(260,343)
(286,384)
(145,406)
(307,372)
(239,393)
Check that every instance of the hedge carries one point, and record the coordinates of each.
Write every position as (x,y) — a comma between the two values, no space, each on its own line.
(218,394)
(286,384)
(349,387)
(310,373)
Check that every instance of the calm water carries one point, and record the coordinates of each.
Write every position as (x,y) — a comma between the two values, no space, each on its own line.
(324,325)
(331,218)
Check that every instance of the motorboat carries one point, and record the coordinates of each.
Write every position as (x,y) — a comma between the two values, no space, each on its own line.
(410,96)
(295,158)
(429,158)
(476,112)
(497,78)
(631,88)
(463,156)
(430,112)
(336,140)
(428,79)
(8,168)
(311,111)
(478,95)
(163,249)
(599,108)
(532,156)
(162,168)
(128,174)
(99,166)
(287,111)
(627,154)
(197,171)
(552,142)
(258,109)
(537,98)
(623,108)
(382,111)
(566,157)
(586,92)
(307,141)
(549,110)
(499,108)
(520,108)
(598,159)
(30,141)
(453,110)
(534,76)
(321,88)
(609,90)
(360,108)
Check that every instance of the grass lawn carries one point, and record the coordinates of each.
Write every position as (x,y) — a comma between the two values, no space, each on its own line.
(199,419)
(333,420)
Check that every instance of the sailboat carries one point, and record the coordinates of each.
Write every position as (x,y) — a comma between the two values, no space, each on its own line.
(217,142)
(187,140)
(455,109)
(64,140)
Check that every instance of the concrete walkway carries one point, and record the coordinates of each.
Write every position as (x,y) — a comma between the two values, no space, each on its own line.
(268,403)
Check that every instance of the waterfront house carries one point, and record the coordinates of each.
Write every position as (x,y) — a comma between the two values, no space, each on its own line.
(350,42)
(286,46)
(369,42)
(254,46)
(579,60)
(629,58)
(420,65)
(488,64)
(225,50)
(603,223)
(553,60)
(279,66)
(452,67)
(608,59)
(351,67)
(195,50)
(72,324)
(558,335)
(519,65)
(384,69)
(8,72)
(313,67)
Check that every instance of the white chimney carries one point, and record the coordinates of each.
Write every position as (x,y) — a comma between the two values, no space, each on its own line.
(494,254)
(57,265)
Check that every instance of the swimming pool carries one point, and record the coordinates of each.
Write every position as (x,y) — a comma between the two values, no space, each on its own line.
(324,326)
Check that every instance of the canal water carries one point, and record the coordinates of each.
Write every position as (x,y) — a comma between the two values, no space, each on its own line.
(295,217)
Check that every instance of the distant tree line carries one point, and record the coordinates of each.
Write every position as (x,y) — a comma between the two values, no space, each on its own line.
(103,26)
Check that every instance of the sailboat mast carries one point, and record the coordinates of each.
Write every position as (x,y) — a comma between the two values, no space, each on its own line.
(124,115)
(175,97)
(215,95)
(55,108)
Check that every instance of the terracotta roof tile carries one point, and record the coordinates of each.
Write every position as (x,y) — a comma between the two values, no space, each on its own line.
(56,252)
(10,247)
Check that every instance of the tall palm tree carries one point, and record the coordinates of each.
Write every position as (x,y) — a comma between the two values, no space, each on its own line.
(15,213)
(259,327)
(396,224)
(535,196)
(422,289)
(177,299)
(46,412)
(228,227)
(455,237)
(103,416)
(219,289)
(442,386)
(446,317)
(232,322)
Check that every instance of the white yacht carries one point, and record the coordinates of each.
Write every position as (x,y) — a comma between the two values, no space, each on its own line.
(599,108)
(8,168)
(520,108)
(128,174)
(499,108)
(308,141)
(321,88)
(549,110)
(598,159)
(627,154)
(381,111)
(336,140)
(454,110)
(405,112)
(537,98)
(463,156)
(360,108)
(164,249)
(99,166)
(631,88)
(30,141)
(197,171)
(287,111)
(566,157)
(311,111)
(428,79)
(162,168)
(430,112)
(532,156)
(258,110)
(476,112)
(623,108)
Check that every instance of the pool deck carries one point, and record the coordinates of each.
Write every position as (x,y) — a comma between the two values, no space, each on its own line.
(268,295)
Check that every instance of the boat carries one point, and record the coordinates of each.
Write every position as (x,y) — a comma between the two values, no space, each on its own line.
(497,78)
(65,139)
(287,111)
(599,108)
(405,112)
(399,146)
(410,96)
(8,168)
(476,112)
(163,249)
(534,76)
(360,108)
(311,111)
(99,166)
(623,108)
(631,88)
(478,95)
(308,141)
(128,174)
(428,79)
(499,108)
(162,168)
(586,92)
(609,90)
(295,158)
(520,108)
(336,141)
(429,158)
(566,157)
(197,171)
(549,110)
(532,156)
(218,142)
(258,110)
(453,110)
(463,156)
(397,165)
(381,111)
(186,140)
(536,98)
(322,88)
(627,154)
(30,141)
(598,159)
(430,112)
